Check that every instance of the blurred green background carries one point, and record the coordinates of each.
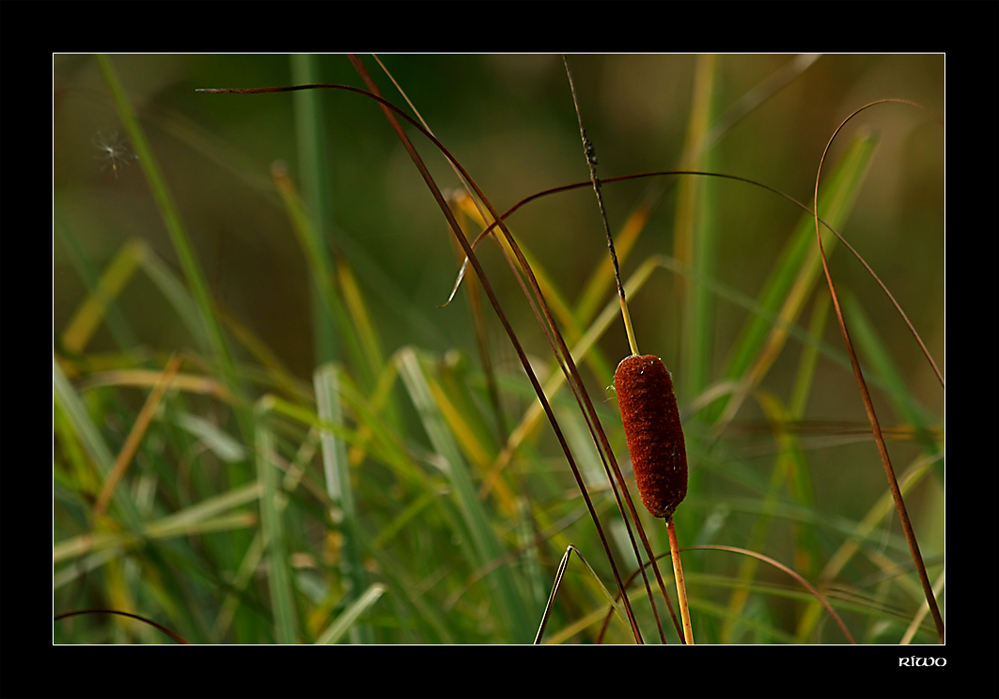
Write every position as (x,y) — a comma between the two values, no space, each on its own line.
(510,120)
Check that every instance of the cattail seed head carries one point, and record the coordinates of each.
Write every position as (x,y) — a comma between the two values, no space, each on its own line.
(652,427)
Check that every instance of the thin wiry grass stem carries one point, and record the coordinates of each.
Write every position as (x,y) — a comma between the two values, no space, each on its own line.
(388,109)
(903,515)
(591,160)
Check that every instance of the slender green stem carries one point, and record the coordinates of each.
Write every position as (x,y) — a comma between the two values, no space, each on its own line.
(181,240)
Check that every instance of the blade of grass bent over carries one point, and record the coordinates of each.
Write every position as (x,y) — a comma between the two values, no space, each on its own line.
(559,573)
(561,351)
(390,110)
(175,636)
(803,207)
(792,573)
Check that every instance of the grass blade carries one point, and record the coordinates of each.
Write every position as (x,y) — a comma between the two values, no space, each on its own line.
(903,516)
(279,572)
(179,236)
(310,125)
(797,270)
(475,518)
(100,303)
(694,241)
(345,622)
(338,486)
(92,442)
(612,599)
(899,393)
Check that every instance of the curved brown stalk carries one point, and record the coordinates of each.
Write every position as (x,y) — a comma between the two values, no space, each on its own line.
(766,559)
(562,354)
(172,634)
(903,515)
(389,108)
(561,350)
(803,207)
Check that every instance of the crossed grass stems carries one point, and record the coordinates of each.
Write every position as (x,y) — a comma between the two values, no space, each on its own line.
(545,316)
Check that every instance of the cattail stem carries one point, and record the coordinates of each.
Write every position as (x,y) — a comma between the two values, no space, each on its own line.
(629,328)
(681,589)
(591,160)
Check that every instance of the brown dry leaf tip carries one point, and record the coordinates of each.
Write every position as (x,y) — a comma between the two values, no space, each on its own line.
(652,427)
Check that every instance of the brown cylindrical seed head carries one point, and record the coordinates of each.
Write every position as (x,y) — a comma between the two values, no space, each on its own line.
(652,426)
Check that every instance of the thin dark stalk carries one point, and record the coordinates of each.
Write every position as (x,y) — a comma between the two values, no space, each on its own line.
(551,598)
(172,634)
(478,321)
(780,566)
(418,161)
(559,573)
(498,220)
(565,188)
(803,207)
(591,160)
(766,559)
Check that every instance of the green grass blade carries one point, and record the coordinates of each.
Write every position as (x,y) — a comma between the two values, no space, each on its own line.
(797,270)
(93,443)
(218,441)
(279,570)
(209,515)
(188,520)
(179,237)
(177,295)
(103,288)
(310,129)
(338,486)
(694,235)
(346,621)
(321,271)
(870,345)
(487,546)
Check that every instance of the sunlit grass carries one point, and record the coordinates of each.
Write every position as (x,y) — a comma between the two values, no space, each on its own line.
(379,497)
